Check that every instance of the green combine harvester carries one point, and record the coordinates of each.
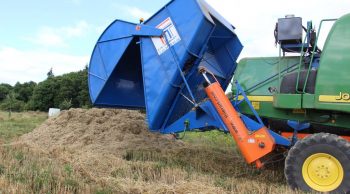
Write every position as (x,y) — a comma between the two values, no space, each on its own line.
(311,87)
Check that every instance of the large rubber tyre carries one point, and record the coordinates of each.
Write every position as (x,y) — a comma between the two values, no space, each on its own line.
(320,162)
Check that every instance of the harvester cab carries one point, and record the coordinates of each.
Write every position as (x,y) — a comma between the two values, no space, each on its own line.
(297,40)
(289,35)
(177,65)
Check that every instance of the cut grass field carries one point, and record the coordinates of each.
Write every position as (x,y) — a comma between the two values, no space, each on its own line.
(209,164)
(16,124)
(25,171)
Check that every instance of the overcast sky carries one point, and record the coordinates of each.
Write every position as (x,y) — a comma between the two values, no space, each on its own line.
(38,35)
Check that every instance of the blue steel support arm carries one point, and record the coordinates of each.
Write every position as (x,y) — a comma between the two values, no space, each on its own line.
(145,30)
(175,57)
(241,92)
(252,124)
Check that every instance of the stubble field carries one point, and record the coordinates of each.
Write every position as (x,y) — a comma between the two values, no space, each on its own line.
(111,151)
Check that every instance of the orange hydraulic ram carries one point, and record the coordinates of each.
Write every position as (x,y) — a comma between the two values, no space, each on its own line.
(253,145)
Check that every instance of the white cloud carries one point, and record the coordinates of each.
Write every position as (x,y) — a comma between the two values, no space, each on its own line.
(255,20)
(138,13)
(134,12)
(57,37)
(75,31)
(21,65)
(101,28)
(47,37)
(76,2)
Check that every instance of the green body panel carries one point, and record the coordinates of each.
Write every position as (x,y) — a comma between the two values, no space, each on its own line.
(333,79)
(322,117)
(308,101)
(291,101)
(251,71)
(333,75)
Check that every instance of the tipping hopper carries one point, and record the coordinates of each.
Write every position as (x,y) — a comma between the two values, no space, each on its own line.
(154,65)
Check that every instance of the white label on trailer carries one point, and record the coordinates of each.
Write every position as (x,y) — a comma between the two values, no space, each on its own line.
(251,140)
(171,34)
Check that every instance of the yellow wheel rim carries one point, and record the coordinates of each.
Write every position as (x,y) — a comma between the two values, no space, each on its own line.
(323,172)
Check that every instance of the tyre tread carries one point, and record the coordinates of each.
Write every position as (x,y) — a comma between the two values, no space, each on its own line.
(292,170)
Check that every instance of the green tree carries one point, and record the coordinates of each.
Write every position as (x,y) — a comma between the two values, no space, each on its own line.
(43,95)
(54,92)
(4,91)
(84,96)
(24,91)
(12,104)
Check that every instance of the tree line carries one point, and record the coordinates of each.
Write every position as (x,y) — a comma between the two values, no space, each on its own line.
(64,92)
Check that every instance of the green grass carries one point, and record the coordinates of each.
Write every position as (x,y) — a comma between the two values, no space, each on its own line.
(18,124)
(213,139)
(24,171)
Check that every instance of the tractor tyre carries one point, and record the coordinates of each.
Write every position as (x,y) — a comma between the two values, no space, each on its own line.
(319,162)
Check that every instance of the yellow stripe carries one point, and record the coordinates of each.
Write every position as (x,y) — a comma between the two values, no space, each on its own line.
(258,98)
(329,98)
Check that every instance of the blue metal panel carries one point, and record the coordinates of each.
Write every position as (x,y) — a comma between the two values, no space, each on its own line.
(280,140)
(203,117)
(298,126)
(250,123)
(115,75)
(99,74)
